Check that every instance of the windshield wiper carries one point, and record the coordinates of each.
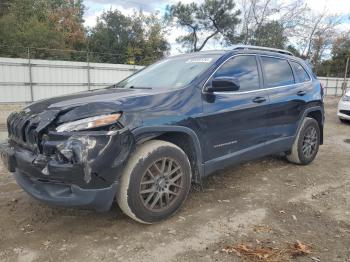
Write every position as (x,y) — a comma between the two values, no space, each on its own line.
(114,86)
(139,87)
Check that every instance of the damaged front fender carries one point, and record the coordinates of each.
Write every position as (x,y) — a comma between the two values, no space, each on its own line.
(101,155)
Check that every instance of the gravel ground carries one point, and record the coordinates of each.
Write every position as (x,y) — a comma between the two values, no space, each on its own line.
(267,203)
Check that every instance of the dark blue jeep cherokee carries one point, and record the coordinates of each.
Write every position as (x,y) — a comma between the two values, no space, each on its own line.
(144,140)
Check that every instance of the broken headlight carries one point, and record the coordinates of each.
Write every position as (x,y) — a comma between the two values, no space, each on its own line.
(89,123)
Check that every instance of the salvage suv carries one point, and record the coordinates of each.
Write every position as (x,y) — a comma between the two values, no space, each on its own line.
(146,139)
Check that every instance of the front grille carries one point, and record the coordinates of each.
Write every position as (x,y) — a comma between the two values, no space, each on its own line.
(345,112)
(22,130)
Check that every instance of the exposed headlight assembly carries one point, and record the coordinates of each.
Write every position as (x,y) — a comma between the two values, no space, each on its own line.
(346,98)
(89,123)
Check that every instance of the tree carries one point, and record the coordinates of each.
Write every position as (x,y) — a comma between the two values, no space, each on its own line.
(212,18)
(270,34)
(257,15)
(67,18)
(4,7)
(147,40)
(335,66)
(26,25)
(136,39)
(53,24)
(293,50)
(110,35)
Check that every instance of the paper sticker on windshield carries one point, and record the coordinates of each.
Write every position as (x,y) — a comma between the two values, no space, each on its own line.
(199,60)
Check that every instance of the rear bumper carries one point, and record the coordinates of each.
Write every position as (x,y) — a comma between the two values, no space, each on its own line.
(59,194)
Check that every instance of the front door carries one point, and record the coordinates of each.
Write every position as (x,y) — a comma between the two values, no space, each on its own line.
(234,121)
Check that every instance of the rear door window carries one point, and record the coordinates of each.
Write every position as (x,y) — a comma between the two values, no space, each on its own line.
(277,72)
(244,68)
(300,73)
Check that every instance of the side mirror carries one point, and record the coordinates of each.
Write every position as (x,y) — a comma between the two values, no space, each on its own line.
(224,84)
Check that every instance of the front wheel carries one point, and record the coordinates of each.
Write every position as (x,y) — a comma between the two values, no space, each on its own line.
(155,182)
(306,144)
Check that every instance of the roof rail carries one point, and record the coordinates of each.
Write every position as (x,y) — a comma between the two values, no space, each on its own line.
(251,47)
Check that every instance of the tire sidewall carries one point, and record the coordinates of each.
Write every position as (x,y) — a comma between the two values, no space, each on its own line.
(134,201)
(308,123)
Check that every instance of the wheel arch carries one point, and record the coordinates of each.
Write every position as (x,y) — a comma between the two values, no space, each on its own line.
(183,137)
(317,113)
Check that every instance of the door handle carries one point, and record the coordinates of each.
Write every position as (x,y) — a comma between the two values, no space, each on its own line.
(259,99)
(301,93)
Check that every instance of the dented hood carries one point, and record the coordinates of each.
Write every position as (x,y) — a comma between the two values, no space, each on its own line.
(109,96)
(133,103)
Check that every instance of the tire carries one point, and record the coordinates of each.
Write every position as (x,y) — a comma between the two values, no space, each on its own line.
(165,173)
(306,144)
(344,121)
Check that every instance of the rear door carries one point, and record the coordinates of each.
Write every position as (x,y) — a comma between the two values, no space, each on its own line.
(235,121)
(287,84)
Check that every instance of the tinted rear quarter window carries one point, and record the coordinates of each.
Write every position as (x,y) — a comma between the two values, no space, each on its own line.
(244,68)
(300,74)
(277,72)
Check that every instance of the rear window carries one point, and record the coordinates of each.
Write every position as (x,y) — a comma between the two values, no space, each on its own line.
(300,74)
(277,72)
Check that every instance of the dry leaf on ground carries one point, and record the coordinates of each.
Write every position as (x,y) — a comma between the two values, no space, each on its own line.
(255,253)
(269,254)
(300,249)
(261,228)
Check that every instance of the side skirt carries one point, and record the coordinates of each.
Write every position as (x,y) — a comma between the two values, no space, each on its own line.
(271,147)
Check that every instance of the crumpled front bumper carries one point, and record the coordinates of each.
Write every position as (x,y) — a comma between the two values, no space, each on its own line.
(59,194)
(73,170)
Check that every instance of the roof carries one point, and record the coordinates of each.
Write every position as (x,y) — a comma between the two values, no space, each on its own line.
(244,49)
(262,48)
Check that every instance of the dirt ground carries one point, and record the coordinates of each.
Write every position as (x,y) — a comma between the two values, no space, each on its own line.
(266,203)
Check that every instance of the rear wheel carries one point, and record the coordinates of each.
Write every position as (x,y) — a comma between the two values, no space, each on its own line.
(306,144)
(155,182)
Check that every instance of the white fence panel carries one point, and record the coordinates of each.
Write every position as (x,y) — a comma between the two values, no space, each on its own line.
(24,80)
(333,85)
(106,73)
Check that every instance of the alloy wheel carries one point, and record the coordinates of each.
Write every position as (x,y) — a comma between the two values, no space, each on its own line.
(309,142)
(161,184)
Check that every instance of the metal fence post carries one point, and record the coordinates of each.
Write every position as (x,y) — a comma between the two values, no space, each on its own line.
(345,75)
(30,76)
(336,87)
(88,70)
(326,93)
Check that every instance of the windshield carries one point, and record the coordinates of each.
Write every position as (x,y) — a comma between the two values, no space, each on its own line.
(170,73)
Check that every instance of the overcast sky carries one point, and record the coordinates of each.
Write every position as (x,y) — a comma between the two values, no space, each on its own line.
(96,7)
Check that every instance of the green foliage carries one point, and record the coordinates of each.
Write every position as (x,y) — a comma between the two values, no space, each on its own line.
(53,24)
(212,18)
(270,34)
(4,7)
(292,49)
(335,66)
(138,39)
(110,35)
(48,26)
